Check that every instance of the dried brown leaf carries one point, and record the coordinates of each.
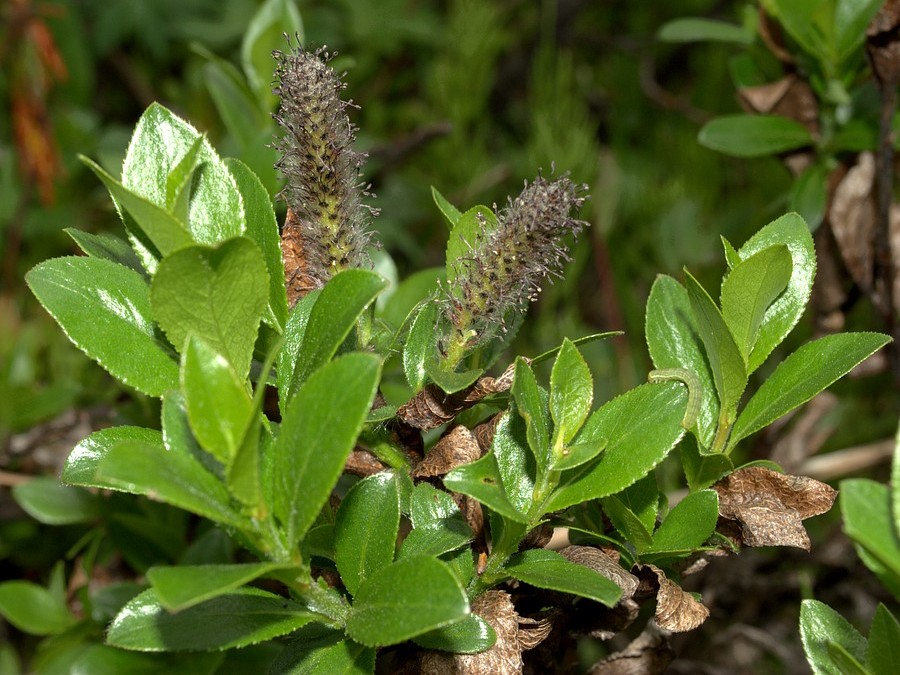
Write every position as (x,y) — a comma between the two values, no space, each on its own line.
(770,506)
(676,610)
(852,219)
(455,448)
(431,407)
(789,97)
(648,654)
(296,273)
(595,559)
(884,42)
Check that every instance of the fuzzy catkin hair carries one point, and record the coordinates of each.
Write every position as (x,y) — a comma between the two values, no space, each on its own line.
(326,227)
(507,264)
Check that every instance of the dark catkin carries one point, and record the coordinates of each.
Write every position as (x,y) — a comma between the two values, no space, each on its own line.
(326,227)
(507,264)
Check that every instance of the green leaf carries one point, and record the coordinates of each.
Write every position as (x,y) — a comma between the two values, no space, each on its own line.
(104,309)
(317,434)
(469,636)
(785,312)
(642,426)
(262,228)
(178,182)
(178,588)
(688,525)
(515,462)
(471,227)
(674,342)
(163,229)
(548,569)
(218,294)
(100,659)
(749,290)
(265,32)
(331,653)
(450,381)
(819,625)
(33,609)
(642,499)
(481,481)
(365,529)
(405,599)
(702,470)
(243,617)
(632,529)
(844,661)
(339,305)
(82,463)
(571,392)
(419,345)
(409,293)
(895,481)
(48,502)
(106,246)
(160,140)
(865,507)
(883,652)
(802,375)
(753,135)
(294,331)
(704,30)
(851,18)
(438,525)
(144,468)
(579,453)
(217,402)
(450,212)
(531,407)
(809,194)
(725,360)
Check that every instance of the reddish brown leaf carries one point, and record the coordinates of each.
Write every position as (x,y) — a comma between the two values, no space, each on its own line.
(455,448)
(769,506)
(676,609)
(297,277)
(597,560)
(852,219)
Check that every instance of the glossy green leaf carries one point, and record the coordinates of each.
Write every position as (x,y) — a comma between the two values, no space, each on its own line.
(749,289)
(160,141)
(265,32)
(674,342)
(82,463)
(365,529)
(218,294)
(642,499)
(330,653)
(106,246)
(178,182)
(883,652)
(819,625)
(99,659)
(704,30)
(163,229)
(104,309)
(866,510)
(642,426)
(802,375)
(851,19)
(702,470)
(785,312)
(845,662)
(146,468)
(753,135)
(688,525)
(469,636)
(731,255)
(469,230)
(236,619)
(317,434)
(438,524)
(450,381)
(725,360)
(632,529)
(809,193)
(481,481)
(331,319)
(178,588)
(405,599)
(576,454)
(262,228)
(420,344)
(294,331)
(450,212)
(531,407)
(48,502)
(33,609)
(217,402)
(571,392)
(515,461)
(548,569)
